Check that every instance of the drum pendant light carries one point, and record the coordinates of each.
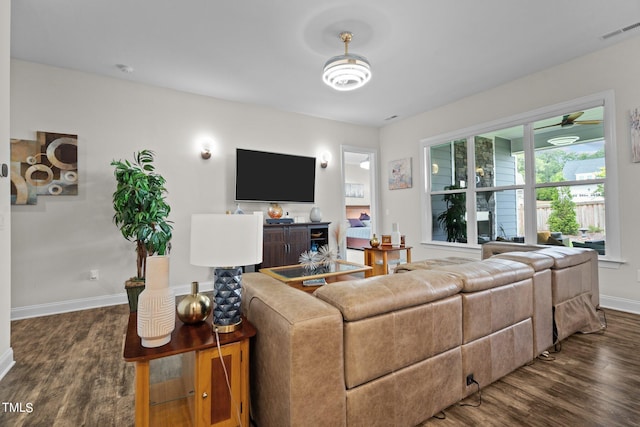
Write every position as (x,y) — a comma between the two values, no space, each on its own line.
(348,71)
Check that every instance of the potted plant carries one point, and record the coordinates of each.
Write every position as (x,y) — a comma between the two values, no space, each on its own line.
(452,218)
(141,213)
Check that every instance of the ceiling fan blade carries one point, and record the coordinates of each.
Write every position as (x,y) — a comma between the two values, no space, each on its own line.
(588,122)
(549,126)
(572,117)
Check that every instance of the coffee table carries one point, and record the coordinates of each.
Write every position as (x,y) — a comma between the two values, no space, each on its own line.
(296,275)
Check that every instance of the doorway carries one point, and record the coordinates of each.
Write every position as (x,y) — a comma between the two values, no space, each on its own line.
(360,199)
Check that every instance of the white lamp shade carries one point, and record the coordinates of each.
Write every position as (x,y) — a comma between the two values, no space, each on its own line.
(220,240)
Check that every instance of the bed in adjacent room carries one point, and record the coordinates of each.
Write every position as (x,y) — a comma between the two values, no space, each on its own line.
(359,227)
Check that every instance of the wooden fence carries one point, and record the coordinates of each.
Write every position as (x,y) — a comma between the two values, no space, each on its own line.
(588,214)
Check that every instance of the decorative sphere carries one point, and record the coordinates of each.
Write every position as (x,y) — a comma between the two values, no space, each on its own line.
(194,308)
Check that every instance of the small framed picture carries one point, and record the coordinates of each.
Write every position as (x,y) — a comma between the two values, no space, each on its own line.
(354,190)
(400,174)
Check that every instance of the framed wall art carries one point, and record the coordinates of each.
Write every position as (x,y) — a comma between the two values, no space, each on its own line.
(400,174)
(354,190)
(47,166)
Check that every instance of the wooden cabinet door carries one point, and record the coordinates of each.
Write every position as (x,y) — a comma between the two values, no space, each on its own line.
(298,241)
(273,247)
(219,404)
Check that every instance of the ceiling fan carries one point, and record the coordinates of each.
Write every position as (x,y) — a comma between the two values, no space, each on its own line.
(569,120)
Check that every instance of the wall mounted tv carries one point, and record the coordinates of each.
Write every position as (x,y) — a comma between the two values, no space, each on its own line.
(274,177)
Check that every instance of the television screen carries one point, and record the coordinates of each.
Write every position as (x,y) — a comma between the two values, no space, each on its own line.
(274,177)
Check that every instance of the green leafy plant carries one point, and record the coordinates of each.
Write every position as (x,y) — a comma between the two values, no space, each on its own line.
(141,210)
(452,218)
(563,213)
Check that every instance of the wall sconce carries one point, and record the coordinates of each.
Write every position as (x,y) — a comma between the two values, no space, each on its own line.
(205,153)
(434,168)
(324,159)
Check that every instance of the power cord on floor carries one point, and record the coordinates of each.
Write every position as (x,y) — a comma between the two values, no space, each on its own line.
(440,416)
(474,405)
(557,347)
(226,376)
(545,356)
(604,316)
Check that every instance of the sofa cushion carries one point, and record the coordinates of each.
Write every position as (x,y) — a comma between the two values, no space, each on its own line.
(491,310)
(494,356)
(536,260)
(408,396)
(542,300)
(359,299)
(429,264)
(490,273)
(564,257)
(380,345)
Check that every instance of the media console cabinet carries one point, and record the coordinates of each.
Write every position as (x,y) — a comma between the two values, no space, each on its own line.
(283,243)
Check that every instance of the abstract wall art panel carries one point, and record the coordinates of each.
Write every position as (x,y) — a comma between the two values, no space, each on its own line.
(45,167)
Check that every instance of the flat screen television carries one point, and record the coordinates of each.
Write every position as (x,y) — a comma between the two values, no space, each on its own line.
(273,177)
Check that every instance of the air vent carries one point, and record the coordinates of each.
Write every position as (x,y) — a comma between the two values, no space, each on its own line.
(621,30)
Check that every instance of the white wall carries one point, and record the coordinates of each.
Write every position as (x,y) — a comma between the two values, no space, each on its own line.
(615,68)
(58,241)
(6,354)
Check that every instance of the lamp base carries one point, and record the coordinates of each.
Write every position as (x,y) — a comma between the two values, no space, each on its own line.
(227,297)
(225,329)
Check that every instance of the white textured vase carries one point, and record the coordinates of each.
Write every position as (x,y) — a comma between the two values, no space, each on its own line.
(156,304)
(395,235)
(315,215)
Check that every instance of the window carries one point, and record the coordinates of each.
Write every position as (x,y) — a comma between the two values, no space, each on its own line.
(537,178)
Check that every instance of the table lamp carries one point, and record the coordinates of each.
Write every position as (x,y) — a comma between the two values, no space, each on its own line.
(227,243)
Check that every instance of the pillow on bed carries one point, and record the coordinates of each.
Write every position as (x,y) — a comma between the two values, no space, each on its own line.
(355,222)
(366,222)
(364,215)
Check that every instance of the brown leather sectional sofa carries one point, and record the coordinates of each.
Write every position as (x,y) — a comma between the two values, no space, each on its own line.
(396,349)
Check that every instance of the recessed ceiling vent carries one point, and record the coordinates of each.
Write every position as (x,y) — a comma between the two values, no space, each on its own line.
(621,30)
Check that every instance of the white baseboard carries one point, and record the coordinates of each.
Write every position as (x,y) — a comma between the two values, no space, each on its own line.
(620,304)
(6,362)
(48,309)
(614,303)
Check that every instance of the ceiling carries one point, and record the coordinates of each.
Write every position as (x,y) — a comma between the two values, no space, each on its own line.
(423,53)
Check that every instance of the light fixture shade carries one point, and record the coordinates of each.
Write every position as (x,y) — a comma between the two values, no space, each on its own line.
(563,140)
(347,72)
(220,240)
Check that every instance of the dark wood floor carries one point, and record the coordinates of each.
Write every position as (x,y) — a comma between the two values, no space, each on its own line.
(70,369)
(593,381)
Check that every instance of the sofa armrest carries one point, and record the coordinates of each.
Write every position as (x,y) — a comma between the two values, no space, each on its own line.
(297,358)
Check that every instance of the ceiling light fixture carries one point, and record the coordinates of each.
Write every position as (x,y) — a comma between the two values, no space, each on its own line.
(348,71)
(563,140)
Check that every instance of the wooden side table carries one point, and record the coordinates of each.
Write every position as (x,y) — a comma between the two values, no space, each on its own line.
(379,258)
(183,382)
